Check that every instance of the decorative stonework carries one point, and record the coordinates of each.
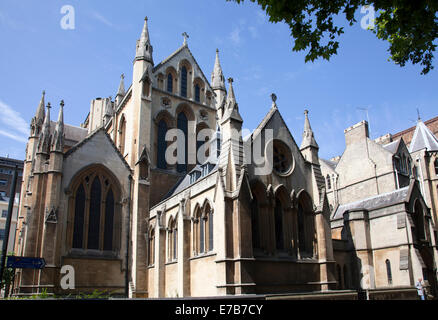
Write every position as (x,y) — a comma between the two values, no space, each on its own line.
(52,215)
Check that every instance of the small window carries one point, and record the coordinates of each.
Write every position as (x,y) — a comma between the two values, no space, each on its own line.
(329,185)
(4,213)
(151,247)
(169,82)
(2,234)
(184,82)
(197,93)
(3,182)
(436,166)
(201,235)
(388,271)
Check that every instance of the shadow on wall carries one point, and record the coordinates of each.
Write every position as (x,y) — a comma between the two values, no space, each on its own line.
(353,267)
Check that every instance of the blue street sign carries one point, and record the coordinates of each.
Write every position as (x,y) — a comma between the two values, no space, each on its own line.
(25,262)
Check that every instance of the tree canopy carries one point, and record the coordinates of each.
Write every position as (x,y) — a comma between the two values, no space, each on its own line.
(409,26)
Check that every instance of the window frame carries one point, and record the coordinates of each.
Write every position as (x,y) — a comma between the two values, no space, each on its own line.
(85,179)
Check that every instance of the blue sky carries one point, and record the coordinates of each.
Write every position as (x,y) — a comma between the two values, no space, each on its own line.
(79,65)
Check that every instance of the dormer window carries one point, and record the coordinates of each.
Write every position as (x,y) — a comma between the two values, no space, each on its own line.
(194,176)
(206,169)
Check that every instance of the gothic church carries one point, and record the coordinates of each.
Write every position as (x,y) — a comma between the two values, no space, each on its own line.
(104,199)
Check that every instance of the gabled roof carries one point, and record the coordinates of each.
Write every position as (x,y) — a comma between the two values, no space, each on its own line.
(89,137)
(423,139)
(392,146)
(272,111)
(185,181)
(174,54)
(329,163)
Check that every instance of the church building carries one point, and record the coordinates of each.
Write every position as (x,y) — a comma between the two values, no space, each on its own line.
(108,199)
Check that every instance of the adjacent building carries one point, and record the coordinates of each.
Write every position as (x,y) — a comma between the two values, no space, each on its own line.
(382,196)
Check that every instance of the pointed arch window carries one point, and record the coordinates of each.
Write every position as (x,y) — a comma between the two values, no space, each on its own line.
(122,135)
(388,271)
(278,216)
(169,82)
(436,166)
(203,224)
(255,228)
(346,278)
(197,93)
(94,215)
(184,81)
(306,227)
(109,221)
(182,124)
(210,230)
(95,212)
(172,240)
(161,145)
(151,247)
(338,268)
(202,235)
(78,232)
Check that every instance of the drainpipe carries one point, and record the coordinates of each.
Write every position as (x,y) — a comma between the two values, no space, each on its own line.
(396,179)
(128,235)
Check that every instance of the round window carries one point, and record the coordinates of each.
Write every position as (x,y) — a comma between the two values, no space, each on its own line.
(282,157)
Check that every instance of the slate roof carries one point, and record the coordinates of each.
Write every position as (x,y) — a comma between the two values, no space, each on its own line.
(423,139)
(184,182)
(392,146)
(375,202)
(91,135)
(330,163)
(72,134)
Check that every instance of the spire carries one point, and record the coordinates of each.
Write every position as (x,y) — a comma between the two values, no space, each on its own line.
(231,106)
(217,76)
(121,91)
(40,111)
(230,97)
(44,139)
(308,138)
(108,107)
(144,48)
(58,135)
(423,138)
(37,120)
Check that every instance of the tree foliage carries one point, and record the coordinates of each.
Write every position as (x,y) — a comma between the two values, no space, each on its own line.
(409,26)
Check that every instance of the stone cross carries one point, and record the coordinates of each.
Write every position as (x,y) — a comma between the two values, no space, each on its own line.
(185,35)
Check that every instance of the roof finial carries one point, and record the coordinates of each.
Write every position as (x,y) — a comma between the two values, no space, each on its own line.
(186,36)
(418,114)
(274,99)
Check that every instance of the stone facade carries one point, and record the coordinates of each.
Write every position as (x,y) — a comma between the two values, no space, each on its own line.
(100,199)
(383,215)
